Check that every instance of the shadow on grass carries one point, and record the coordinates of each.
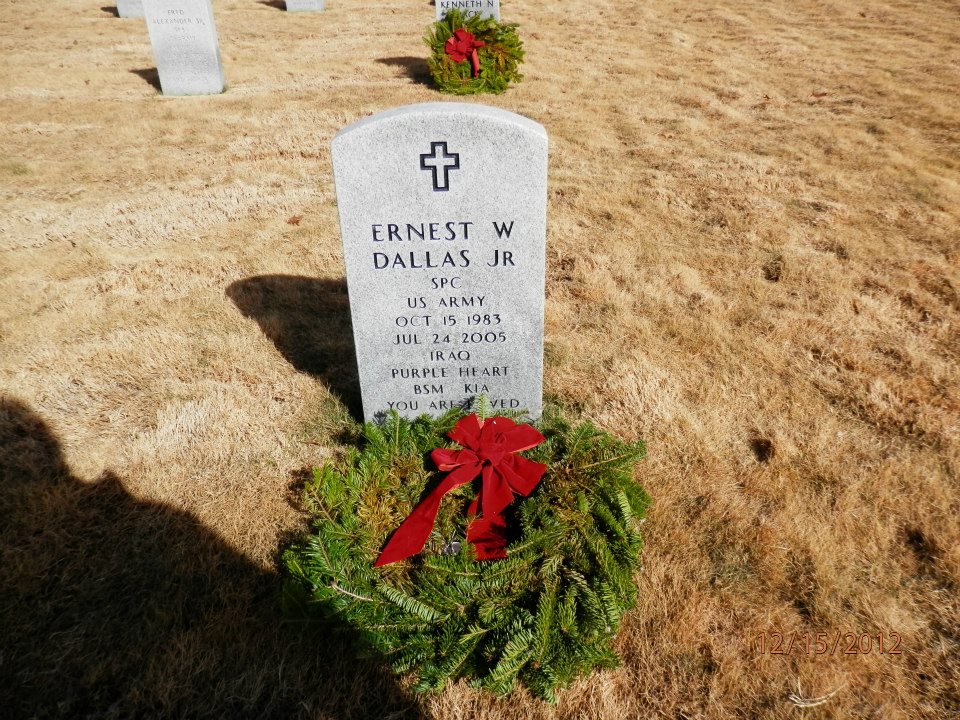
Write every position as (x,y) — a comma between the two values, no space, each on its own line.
(149,76)
(308,320)
(278,4)
(415,67)
(111,10)
(114,606)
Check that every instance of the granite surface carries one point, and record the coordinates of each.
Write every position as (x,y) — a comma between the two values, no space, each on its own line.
(443,221)
(130,8)
(304,5)
(185,46)
(486,8)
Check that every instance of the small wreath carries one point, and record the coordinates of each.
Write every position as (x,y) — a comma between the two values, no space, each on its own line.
(473,54)
(543,614)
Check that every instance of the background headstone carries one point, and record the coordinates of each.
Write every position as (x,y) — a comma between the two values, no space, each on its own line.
(304,5)
(130,8)
(486,8)
(185,46)
(443,220)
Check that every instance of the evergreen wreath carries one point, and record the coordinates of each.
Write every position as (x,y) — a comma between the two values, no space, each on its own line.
(473,54)
(543,615)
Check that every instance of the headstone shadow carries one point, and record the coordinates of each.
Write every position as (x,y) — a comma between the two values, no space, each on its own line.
(308,320)
(149,75)
(278,4)
(416,67)
(115,606)
(111,10)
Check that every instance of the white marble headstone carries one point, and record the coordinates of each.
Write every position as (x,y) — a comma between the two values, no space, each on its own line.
(443,220)
(304,5)
(486,8)
(130,8)
(185,46)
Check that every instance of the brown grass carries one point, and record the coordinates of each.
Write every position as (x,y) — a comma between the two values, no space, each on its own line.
(753,264)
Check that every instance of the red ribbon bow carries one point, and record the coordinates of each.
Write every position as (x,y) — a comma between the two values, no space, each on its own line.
(488,451)
(463,44)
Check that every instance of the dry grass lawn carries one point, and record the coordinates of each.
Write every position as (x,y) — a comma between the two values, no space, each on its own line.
(753,263)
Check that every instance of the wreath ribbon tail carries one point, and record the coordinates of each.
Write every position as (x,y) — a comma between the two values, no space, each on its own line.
(488,535)
(475,62)
(414,531)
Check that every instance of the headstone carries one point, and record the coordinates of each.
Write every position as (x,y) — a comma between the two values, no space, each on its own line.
(443,220)
(486,8)
(304,5)
(130,8)
(185,46)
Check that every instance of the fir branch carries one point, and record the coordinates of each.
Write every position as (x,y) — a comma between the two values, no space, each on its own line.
(339,589)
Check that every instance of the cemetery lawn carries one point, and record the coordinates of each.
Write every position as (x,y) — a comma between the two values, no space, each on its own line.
(753,263)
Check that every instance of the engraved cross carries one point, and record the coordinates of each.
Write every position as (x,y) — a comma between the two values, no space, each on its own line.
(440,162)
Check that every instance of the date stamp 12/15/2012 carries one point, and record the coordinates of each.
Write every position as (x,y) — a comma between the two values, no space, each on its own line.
(822,643)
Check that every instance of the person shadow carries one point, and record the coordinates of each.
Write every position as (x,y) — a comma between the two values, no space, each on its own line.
(114,606)
(308,321)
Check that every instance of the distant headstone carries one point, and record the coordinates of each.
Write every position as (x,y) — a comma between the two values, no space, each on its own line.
(443,220)
(130,8)
(185,46)
(304,5)
(486,8)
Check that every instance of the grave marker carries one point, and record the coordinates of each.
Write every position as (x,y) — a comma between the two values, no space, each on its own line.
(443,221)
(304,5)
(486,8)
(130,8)
(185,46)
